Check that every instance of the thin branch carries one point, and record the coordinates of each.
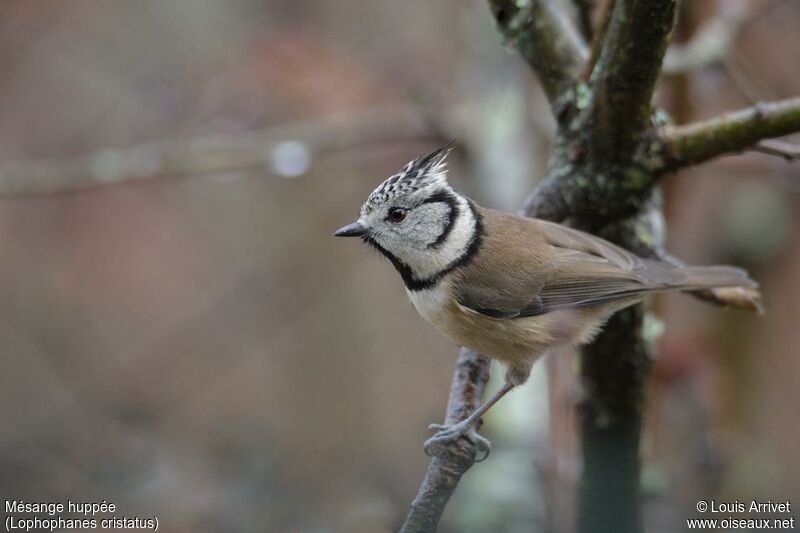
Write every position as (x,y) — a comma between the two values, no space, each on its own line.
(788,151)
(598,39)
(210,154)
(547,40)
(626,73)
(745,298)
(712,42)
(729,133)
(450,462)
(584,10)
(746,80)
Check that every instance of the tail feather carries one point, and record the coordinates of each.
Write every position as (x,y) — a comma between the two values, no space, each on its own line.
(708,277)
(723,285)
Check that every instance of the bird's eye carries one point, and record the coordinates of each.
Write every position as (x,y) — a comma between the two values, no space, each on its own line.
(397,214)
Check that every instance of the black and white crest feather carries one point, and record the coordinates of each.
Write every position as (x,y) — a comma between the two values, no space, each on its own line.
(421,174)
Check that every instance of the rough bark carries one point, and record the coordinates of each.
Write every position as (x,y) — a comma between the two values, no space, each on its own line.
(613,372)
(624,78)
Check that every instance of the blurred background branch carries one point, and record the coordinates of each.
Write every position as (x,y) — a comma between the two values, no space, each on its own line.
(788,151)
(286,149)
(711,43)
(585,9)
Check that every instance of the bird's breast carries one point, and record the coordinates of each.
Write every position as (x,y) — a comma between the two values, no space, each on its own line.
(502,339)
(523,338)
(431,303)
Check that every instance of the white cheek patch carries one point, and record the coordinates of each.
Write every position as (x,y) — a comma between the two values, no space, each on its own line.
(427,222)
(427,261)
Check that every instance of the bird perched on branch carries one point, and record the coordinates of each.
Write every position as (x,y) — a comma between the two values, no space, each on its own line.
(506,286)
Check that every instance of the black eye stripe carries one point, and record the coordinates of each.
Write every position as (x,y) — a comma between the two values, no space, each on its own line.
(441,196)
(444,197)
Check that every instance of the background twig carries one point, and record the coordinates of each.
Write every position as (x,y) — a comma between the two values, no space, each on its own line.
(221,153)
(584,10)
(597,39)
(712,42)
(788,151)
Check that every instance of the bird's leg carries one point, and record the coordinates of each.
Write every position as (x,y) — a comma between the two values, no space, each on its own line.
(517,374)
(449,433)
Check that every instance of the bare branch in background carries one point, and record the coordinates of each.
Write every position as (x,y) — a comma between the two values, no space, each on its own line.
(547,40)
(746,80)
(584,10)
(744,75)
(286,149)
(452,461)
(788,151)
(597,40)
(712,42)
(729,133)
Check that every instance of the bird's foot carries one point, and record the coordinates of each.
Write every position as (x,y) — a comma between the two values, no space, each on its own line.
(446,434)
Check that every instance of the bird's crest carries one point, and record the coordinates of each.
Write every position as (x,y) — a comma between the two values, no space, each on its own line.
(418,175)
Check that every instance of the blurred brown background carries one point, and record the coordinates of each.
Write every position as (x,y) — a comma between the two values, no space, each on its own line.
(193,343)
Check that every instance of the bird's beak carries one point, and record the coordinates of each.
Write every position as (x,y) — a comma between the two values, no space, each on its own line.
(351,230)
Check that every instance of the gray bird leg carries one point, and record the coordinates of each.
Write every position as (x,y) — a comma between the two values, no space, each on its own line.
(516,374)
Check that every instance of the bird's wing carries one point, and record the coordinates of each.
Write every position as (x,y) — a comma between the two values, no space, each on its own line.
(588,270)
(569,269)
(499,294)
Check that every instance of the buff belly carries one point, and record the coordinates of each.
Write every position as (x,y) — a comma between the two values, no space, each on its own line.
(509,339)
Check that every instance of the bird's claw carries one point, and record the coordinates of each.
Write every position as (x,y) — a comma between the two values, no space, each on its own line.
(450,433)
